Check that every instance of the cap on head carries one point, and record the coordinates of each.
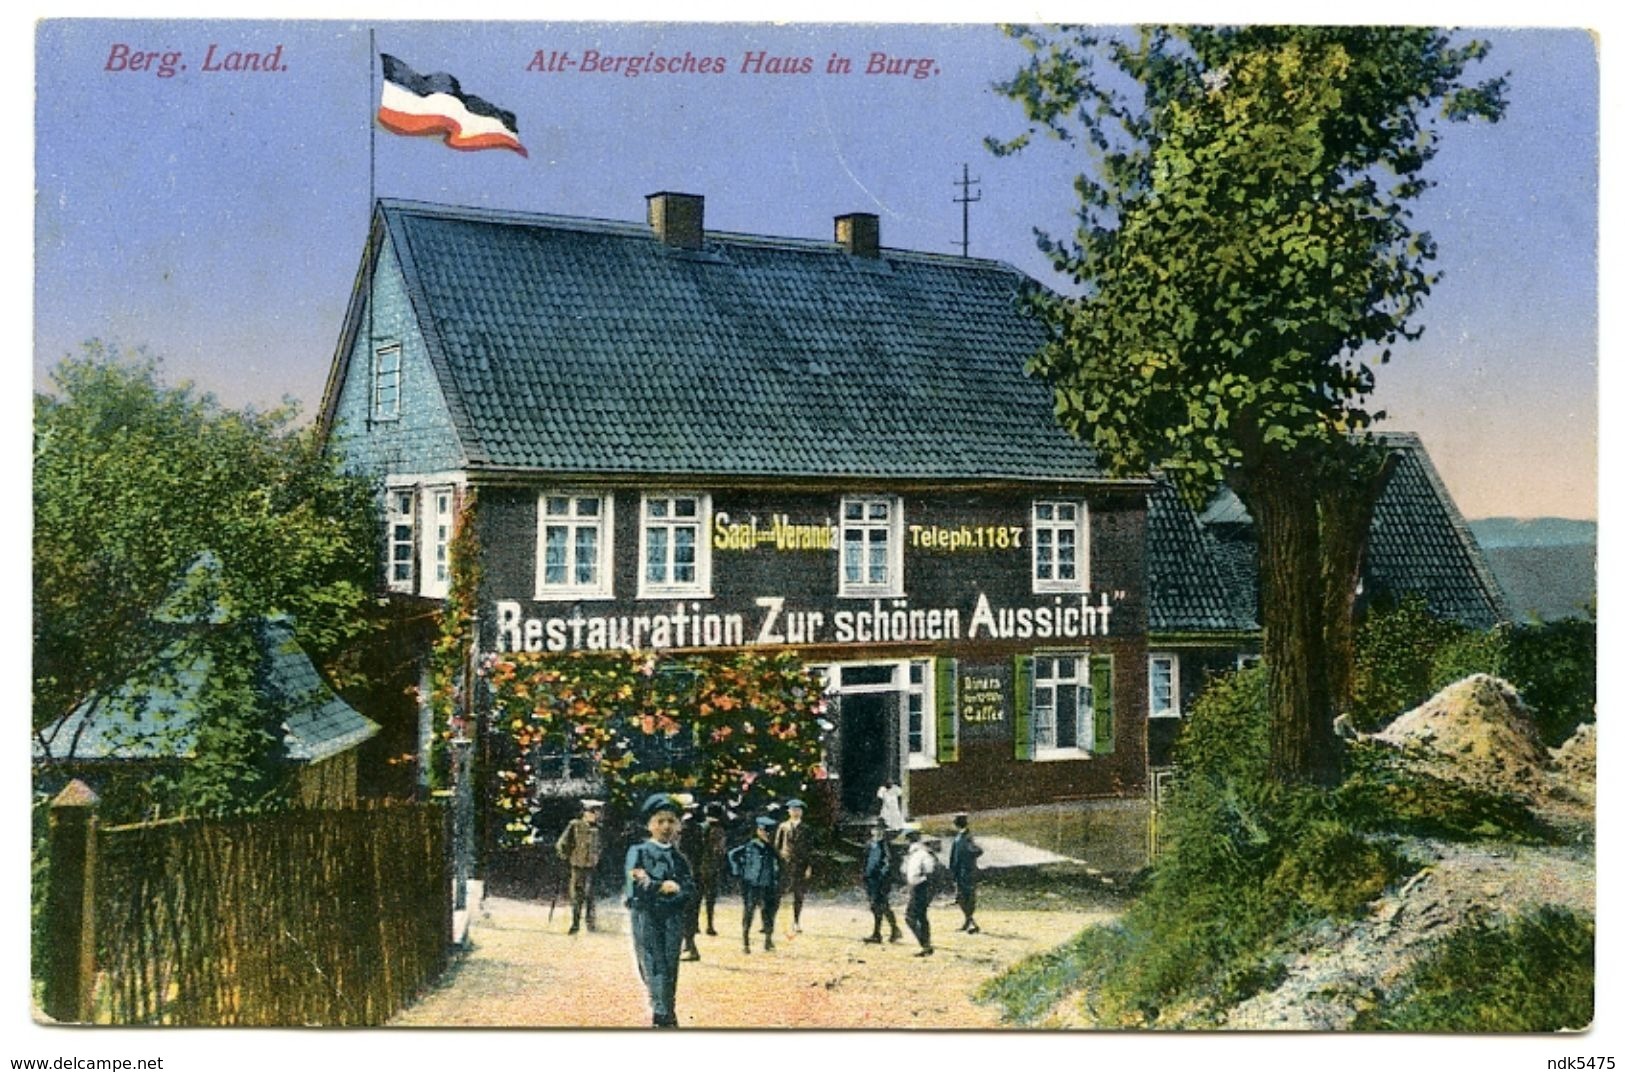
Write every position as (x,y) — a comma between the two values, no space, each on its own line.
(592,805)
(657,802)
(795,802)
(765,822)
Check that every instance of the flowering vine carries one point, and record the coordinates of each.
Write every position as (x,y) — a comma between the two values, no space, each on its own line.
(448,657)
(724,727)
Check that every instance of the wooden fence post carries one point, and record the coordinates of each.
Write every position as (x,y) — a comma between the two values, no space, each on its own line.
(70,922)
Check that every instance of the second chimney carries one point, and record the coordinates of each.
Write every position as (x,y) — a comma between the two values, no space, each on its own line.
(858,233)
(678,219)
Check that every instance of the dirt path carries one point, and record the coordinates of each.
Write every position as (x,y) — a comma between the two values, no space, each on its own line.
(525,971)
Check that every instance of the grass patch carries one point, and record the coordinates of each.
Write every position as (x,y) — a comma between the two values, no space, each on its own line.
(1027,990)
(1535,972)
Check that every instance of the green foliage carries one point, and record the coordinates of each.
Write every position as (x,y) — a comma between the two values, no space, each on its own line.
(449,655)
(1249,860)
(1244,229)
(1246,258)
(1382,794)
(135,484)
(1554,666)
(739,725)
(1535,972)
(1403,655)
(1394,652)
(1027,990)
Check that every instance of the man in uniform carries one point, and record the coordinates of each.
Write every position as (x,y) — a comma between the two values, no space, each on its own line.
(580,846)
(962,866)
(756,866)
(877,875)
(794,845)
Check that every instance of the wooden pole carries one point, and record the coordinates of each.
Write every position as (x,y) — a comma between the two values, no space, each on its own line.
(70,905)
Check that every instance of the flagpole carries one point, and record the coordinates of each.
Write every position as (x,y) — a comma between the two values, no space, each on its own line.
(372,201)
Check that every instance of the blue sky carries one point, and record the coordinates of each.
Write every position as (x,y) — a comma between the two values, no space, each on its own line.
(217,218)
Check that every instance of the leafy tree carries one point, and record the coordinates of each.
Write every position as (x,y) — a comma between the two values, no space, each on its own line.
(135,484)
(1246,254)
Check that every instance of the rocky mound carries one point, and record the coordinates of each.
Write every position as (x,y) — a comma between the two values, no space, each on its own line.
(1578,756)
(1476,731)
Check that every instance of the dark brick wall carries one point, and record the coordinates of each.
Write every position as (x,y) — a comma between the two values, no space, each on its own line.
(808,580)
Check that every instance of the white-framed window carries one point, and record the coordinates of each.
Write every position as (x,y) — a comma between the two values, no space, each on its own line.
(386,382)
(1063,715)
(401,515)
(919,717)
(674,545)
(1164,684)
(573,538)
(1060,541)
(871,545)
(439,517)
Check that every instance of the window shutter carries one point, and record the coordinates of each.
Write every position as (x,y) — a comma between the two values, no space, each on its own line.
(1023,686)
(1100,680)
(947,710)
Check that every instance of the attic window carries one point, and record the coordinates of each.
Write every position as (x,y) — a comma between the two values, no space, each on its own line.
(386,383)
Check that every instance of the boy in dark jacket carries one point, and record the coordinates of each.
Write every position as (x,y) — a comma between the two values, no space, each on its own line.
(962,865)
(659,885)
(756,865)
(877,881)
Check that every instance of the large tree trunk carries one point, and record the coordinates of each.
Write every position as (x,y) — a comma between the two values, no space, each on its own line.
(1348,499)
(1283,499)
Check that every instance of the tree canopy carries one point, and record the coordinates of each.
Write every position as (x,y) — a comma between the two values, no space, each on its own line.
(135,484)
(1247,257)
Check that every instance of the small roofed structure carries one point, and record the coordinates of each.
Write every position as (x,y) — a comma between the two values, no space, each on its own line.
(152,720)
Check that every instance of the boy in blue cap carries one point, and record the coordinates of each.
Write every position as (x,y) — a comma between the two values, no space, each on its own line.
(756,865)
(659,885)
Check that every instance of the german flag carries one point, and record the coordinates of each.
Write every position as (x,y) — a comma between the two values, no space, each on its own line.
(435,104)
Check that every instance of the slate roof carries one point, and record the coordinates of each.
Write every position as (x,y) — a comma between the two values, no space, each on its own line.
(1190,582)
(155,722)
(575,345)
(1419,544)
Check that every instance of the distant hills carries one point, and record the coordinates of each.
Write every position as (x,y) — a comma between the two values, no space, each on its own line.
(1533,532)
(1546,565)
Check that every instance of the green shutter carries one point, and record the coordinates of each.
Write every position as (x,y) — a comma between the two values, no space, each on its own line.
(1023,687)
(947,710)
(1100,680)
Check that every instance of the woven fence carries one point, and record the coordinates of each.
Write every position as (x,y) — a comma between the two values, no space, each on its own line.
(303,917)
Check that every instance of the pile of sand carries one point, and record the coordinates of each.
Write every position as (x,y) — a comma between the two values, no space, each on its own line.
(1578,756)
(1476,731)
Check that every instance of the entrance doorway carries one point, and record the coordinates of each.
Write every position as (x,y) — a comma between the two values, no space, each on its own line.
(868,734)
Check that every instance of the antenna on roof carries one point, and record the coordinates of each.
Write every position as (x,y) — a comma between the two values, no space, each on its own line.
(964,200)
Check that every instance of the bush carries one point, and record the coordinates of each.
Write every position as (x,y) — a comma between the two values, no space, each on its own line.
(1381,794)
(1403,655)
(1554,666)
(1535,972)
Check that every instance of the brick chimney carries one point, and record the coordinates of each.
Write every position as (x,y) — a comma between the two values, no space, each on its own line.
(678,220)
(858,233)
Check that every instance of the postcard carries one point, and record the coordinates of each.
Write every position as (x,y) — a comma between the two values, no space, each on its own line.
(856,527)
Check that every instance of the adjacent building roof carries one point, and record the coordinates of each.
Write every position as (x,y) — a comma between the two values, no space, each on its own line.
(575,345)
(1191,583)
(1419,544)
(154,718)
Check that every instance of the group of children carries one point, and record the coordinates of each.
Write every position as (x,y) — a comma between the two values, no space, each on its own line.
(665,897)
